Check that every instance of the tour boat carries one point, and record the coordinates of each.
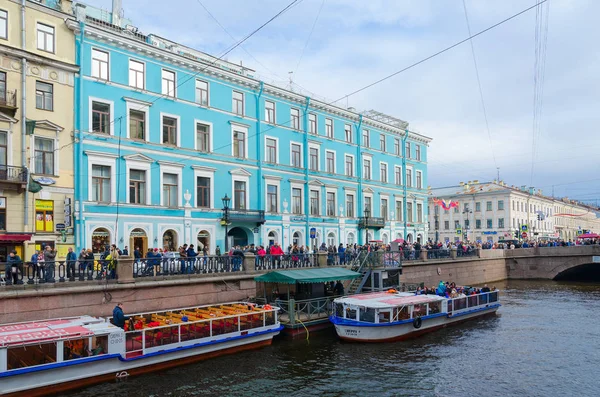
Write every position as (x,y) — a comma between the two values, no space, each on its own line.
(391,316)
(44,357)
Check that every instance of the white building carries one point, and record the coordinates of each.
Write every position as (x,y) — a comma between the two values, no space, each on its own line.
(491,211)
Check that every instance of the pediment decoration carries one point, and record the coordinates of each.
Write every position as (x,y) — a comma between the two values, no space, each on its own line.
(240,171)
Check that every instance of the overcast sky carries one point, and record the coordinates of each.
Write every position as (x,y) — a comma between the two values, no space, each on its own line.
(355,43)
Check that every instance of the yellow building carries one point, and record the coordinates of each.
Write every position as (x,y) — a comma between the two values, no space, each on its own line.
(36,124)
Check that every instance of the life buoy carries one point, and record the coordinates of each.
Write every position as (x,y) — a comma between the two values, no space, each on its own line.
(417,322)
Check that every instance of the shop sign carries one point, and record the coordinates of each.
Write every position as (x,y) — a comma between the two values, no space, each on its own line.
(60,226)
(297,218)
(44,205)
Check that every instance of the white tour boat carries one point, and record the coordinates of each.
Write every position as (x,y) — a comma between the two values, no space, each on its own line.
(44,357)
(390,316)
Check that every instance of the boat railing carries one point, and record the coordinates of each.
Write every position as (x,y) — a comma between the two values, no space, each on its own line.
(470,302)
(305,310)
(138,341)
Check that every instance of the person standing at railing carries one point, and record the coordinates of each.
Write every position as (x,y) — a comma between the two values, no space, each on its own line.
(276,254)
(342,254)
(70,262)
(191,255)
(49,262)
(34,264)
(14,264)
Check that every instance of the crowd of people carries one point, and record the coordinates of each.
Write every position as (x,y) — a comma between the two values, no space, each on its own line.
(451,291)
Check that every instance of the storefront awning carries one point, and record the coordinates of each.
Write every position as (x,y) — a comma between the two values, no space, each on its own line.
(15,237)
(307,276)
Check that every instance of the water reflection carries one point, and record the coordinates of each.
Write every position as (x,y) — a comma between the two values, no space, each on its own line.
(542,342)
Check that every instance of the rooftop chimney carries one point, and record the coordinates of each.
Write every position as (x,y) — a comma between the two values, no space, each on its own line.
(117,9)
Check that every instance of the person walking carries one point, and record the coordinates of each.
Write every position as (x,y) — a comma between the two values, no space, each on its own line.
(14,264)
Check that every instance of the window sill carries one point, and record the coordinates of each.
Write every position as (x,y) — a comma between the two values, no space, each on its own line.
(46,110)
(137,142)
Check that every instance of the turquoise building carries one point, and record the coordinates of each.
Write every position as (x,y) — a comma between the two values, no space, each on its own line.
(165,132)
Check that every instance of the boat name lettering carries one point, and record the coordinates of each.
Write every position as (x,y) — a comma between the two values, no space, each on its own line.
(351,332)
(115,339)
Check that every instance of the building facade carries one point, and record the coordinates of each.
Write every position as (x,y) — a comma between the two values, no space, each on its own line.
(165,132)
(37,76)
(493,211)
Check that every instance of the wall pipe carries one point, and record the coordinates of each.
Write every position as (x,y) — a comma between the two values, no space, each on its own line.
(306,188)
(359,198)
(79,163)
(24,116)
(258,153)
(404,190)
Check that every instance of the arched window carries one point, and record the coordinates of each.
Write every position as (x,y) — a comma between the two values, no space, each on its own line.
(170,240)
(272,237)
(385,238)
(331,239)
(100,240)
(203,241)
(297,239)
(369,236)
(138,239)
(351,239)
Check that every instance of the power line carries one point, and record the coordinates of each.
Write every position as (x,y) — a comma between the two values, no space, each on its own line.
(309,36)
(487,125)
(441,51)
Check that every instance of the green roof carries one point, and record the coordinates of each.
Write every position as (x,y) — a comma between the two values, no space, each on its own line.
(307,276)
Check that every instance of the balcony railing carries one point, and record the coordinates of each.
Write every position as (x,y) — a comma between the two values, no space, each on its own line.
(10,175)
(371,223)
(8,101)
(257,216)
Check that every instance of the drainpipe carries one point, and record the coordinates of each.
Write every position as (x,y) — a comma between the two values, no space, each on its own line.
(259,152)
(359,198)
(79,232)
(24,116)
(404,190)
(306,188)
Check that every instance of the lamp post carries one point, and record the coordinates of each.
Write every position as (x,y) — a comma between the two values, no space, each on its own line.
(436,211)
(225,221)
(468,223)
(367,215)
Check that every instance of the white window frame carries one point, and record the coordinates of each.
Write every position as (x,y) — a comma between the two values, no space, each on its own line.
(204,172)
(233,108)
(275,182)
(106,160)
(329,122)
(384,197)
(210,137)
(292,117)
(334,161)
(142,166)
(353,194)
(276,149)
(178,138)
(199,99)
(418,152)
(133,105)
(301,154)
(418,173)
(112,113)
(423,220)
(143,87)
(320,202)
(171,169)
(387,172)
(314,146)
(9,151)
(100,77)
(240,178)
(55,149)
(240,128)
(366,134)
(412,177)
(370,195)
(399,216)
(399,153)
(302,198)
(312,116)
(353,165)
(165,90)
(267,118)
(398,168)
(384,148)
(362,171)
(335,203)
(45,33)
(348,133)
(4,35)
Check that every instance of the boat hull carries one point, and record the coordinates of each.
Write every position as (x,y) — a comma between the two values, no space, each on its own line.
(64,378)
(407,330)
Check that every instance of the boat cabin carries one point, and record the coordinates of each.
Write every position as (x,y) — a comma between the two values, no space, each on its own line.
(35,343)
(385,307)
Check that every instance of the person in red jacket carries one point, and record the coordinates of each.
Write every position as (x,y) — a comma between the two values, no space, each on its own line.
(276,254)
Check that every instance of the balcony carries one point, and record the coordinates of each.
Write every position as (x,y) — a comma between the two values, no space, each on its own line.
(235,215)
(13,178)
(371,223)
(8,102)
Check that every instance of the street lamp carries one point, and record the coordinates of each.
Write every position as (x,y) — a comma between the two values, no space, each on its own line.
(225,220)
(367,215)
(468,223)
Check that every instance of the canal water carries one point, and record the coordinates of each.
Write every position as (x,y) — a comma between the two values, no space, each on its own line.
(545,341)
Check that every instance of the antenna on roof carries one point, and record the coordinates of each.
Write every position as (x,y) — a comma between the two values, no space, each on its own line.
(291,81)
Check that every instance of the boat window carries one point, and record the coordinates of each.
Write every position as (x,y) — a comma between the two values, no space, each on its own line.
(420,310)
(392,280)
(401,313)
(339,310)
(29,356)
(384,316)
(367,314)
(76,348)
(435,307)
(98,345)
(350,313)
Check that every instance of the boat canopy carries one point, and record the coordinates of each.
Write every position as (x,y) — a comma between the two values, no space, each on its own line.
(307,276)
